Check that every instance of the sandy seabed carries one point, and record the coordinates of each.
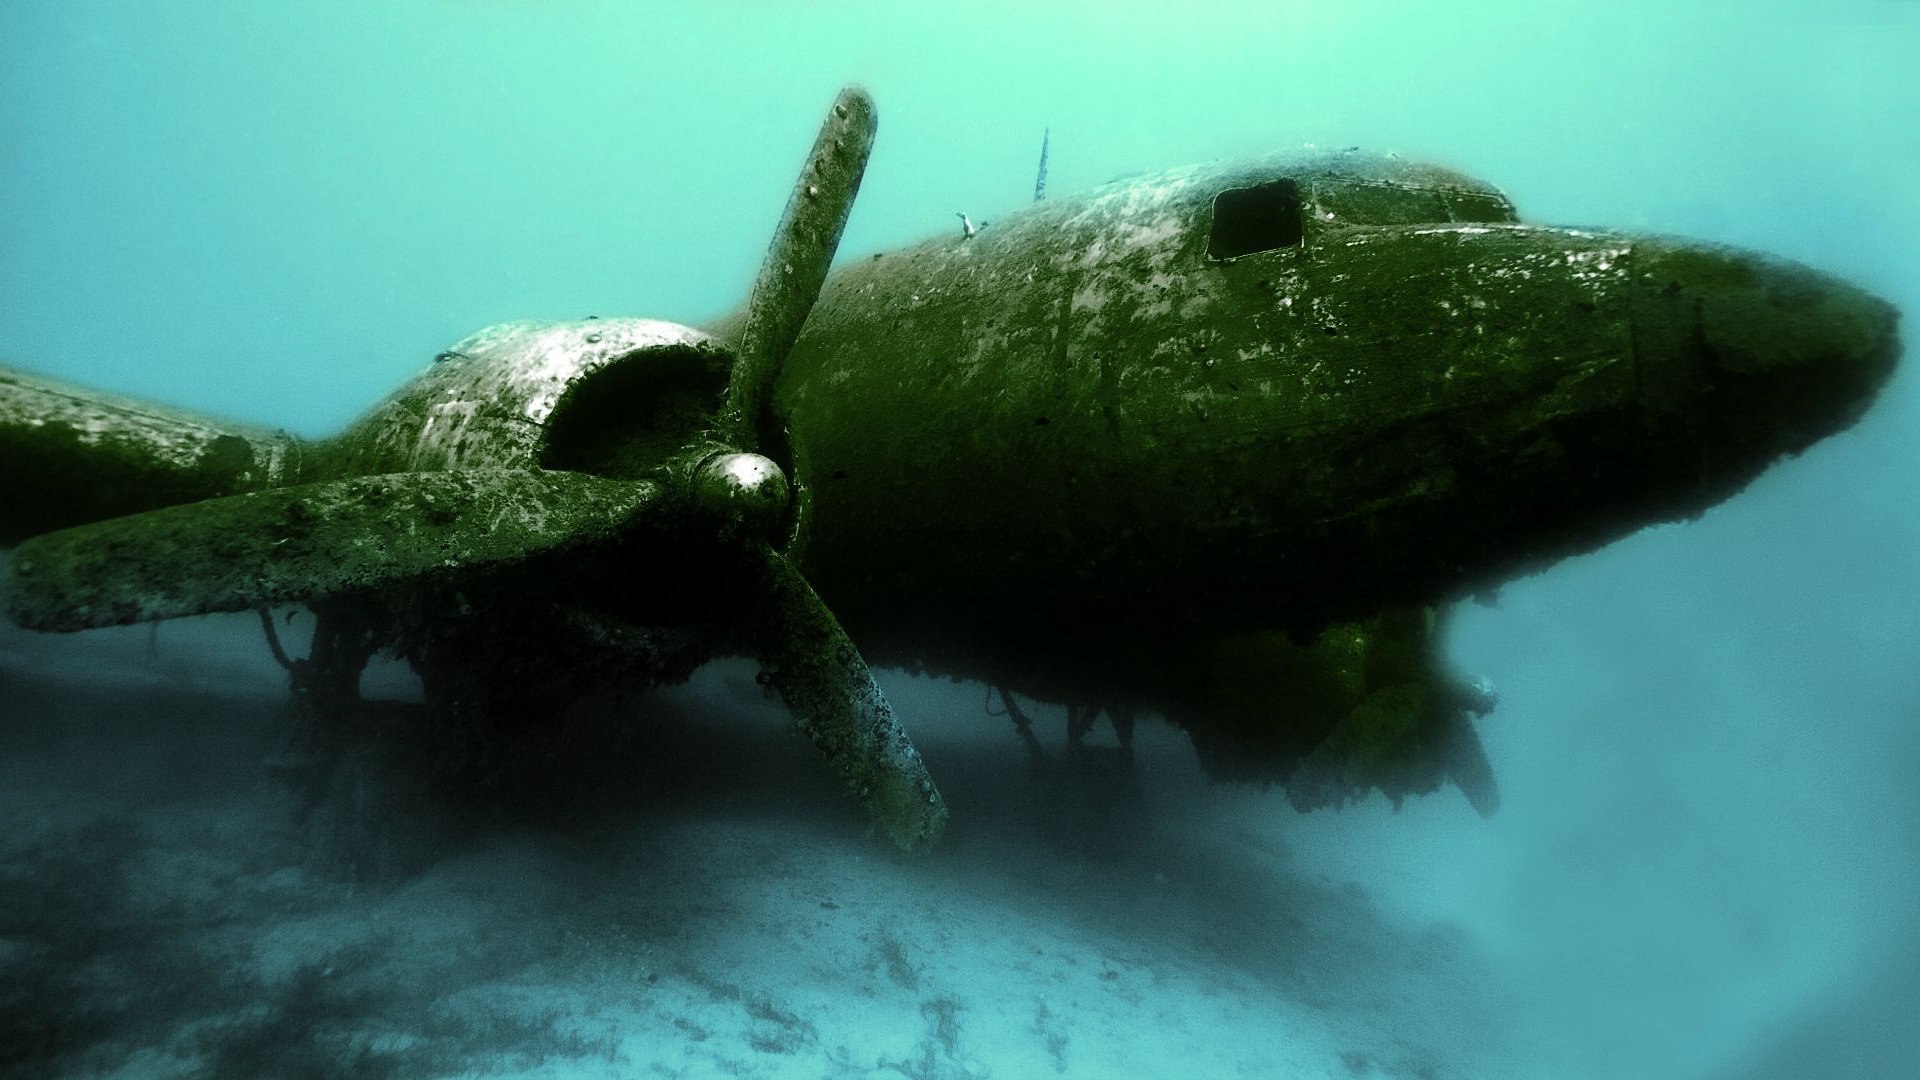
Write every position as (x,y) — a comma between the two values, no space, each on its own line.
(702,903)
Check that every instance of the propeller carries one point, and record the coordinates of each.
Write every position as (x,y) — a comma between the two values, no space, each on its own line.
(807,657)
(299,543)
(406,529)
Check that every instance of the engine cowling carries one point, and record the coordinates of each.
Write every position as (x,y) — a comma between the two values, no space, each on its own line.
(605,396)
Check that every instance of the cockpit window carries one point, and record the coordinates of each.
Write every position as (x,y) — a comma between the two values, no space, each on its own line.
(1357,202)
(1255,219)
(1371,202)
(1479,206)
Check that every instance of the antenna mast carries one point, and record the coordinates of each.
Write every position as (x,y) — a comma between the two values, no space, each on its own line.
(1040,182)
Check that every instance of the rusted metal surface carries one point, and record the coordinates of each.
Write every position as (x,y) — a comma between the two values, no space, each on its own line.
(75,455)
(404,530)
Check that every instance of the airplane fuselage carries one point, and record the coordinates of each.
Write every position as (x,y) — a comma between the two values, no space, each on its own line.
(1211,441)
(1263,398)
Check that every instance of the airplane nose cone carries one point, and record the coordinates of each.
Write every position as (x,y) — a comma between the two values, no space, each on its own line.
(1782,347)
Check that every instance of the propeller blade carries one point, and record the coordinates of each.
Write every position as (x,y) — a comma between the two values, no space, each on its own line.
(815,668)
(797,261)
(314,540)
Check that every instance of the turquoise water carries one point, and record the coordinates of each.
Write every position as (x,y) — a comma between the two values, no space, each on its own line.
(1709,844)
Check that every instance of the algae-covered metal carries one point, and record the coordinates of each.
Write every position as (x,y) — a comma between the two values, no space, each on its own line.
(1213,442)
(482,470)
(75,455)
(1109,437)
(368,533)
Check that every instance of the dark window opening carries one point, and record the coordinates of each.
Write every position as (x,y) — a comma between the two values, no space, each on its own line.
(1255,219)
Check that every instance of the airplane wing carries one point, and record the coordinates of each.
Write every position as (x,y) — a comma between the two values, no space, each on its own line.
(73,455)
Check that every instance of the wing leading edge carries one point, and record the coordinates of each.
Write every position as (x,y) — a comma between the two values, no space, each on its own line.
(75,455)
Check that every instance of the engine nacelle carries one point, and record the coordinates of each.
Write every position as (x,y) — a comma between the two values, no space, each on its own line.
(610,396)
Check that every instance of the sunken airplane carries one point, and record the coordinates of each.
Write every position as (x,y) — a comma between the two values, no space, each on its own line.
(1211,443)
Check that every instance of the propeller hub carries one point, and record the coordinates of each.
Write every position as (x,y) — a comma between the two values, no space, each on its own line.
(745,488)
